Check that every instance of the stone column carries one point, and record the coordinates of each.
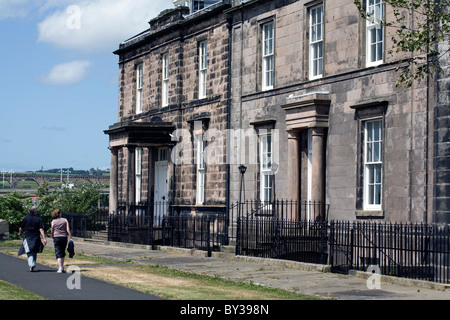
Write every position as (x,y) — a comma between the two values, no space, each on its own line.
(318,166)
(131,192)
(114,180)
(293,178)
(151,171)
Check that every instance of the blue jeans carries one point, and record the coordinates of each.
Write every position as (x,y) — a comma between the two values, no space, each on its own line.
(31,259)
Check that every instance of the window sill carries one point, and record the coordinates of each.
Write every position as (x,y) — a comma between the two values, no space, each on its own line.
(369,214)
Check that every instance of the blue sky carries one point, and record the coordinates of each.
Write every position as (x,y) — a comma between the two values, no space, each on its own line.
(59,78)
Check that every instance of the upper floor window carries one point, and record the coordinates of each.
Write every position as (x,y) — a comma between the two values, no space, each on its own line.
(203,66)
(374,33)
(268,56)
(139,87)
(316,42)
(165,80)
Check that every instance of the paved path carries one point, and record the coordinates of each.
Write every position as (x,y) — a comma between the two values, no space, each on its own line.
(266,272)
(47,283)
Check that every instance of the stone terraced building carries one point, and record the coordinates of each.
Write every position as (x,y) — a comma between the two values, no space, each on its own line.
(302,93)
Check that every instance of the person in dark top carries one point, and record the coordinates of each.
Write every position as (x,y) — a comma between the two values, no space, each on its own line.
(32,244)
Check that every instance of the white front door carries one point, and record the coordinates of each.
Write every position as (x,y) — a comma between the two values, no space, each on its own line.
(161,170)
(161,182)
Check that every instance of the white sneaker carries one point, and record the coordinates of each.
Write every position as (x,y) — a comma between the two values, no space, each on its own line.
(59,271)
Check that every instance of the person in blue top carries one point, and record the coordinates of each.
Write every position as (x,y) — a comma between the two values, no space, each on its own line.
(32,244)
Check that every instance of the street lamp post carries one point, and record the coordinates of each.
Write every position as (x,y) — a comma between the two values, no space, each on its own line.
(11,172)
(68,173)
(242,170)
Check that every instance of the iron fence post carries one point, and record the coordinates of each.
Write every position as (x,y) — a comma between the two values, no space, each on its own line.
(277,239)
(208,235)
(238,236)
(150,224)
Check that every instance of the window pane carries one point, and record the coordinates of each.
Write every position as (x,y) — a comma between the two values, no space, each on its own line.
(377,174)
(371,194)
(319,31)
(376,152)
(377,195)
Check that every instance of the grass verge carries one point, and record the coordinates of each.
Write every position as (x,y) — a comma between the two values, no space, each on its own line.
(163,281)
(11,292)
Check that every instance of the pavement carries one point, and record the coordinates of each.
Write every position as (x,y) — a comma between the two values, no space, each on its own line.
(299,277)
(45,282)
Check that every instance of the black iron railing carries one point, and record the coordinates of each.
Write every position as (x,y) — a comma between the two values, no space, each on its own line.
(283,210)
(284,229)
(138,223)
(157,224)
(304,241)
(417,251)
(85,225)
(205,232)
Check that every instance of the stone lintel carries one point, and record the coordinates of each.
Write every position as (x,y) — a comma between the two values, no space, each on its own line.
(307,111)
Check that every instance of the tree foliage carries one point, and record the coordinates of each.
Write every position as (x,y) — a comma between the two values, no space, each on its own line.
(13,208)
(420,25)
(79,199)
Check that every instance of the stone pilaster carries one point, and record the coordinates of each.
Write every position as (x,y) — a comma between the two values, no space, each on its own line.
(293,178)
(114,180)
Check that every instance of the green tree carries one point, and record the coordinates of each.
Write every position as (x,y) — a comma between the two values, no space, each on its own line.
(419,26)
(80,199)
(13,208)
(47,202)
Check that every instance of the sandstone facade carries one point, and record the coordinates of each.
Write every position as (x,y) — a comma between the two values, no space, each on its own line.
(321,127)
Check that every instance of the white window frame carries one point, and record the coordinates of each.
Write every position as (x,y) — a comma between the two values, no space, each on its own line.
(200,5)
(316,42)
(138,180)
(268,55)
(373,164)
(374,33)
(165,80)
(266,174)
(139,87)
(203,67)
(201,169)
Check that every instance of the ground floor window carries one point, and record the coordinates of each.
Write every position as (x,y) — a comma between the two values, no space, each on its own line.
(138,174)
(373,164)
(266,174)
(200,169)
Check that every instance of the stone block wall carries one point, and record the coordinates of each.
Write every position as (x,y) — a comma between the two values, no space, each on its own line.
(4,230)
(349,84)
(181,42)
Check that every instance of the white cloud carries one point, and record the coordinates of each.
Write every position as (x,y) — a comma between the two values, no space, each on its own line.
(67,73)
(98,25)
(13,8)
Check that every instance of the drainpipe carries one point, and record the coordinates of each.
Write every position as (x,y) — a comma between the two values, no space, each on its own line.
(227,191)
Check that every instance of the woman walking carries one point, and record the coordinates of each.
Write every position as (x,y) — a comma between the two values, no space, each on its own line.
(60,231)
(32,244)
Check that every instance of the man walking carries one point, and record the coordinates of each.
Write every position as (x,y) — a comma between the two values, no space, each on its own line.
(32,245)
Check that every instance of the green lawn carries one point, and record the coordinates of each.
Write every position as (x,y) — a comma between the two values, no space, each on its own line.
(12,292)
(158,280)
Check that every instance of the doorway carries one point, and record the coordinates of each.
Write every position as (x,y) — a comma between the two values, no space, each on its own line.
(161,182)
